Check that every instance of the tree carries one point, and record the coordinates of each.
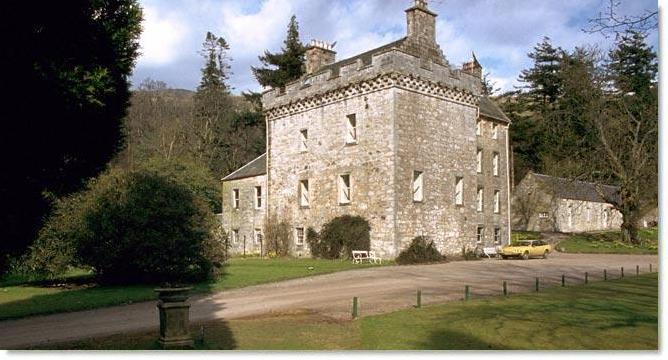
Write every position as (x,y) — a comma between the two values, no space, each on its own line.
(211,125)
(67,65)
(288,65)
(488,86)
(542,80)
(632,67)
(609,21)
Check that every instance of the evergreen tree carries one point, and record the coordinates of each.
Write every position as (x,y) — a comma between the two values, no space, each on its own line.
(488,86)
(211,125)
(67,66)
(632,66)
(288,65)
(542,80)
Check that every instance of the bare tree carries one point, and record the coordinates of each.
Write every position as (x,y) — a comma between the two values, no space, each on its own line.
(611,22)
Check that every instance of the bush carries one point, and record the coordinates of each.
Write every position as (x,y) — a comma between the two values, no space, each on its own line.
(420,251)
(277,235)
(339,237)
(131,227)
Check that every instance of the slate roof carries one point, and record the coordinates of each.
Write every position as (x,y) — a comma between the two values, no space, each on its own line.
(253,168)
(576,190)
(488,108)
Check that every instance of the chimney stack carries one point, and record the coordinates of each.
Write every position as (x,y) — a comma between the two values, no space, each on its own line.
(318,54)
(473,67)
(421,23)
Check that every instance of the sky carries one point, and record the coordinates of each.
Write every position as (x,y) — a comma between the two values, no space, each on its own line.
(500,32)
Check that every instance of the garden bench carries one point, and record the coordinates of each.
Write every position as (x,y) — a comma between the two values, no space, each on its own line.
(359,256)
(373,258)
(489,251)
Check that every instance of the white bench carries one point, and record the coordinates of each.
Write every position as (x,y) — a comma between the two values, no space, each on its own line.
(359,256)
(489,251)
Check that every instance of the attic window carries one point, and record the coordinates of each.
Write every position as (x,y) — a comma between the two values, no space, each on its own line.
(351,129)
(303,137)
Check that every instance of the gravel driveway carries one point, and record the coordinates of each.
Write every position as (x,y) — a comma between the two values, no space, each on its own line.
(381,289)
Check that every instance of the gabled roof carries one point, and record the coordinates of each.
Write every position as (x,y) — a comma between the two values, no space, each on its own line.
(488,108)
(576,190)
(254,168)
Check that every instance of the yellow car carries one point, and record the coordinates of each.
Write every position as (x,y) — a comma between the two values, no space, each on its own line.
(527,248)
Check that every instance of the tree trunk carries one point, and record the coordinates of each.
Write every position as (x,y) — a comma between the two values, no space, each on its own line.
(629,230)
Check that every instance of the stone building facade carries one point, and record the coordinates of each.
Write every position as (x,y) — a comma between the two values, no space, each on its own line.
(546,203)
(395,135)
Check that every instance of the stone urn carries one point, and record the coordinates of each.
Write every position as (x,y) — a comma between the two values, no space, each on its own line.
(174,318)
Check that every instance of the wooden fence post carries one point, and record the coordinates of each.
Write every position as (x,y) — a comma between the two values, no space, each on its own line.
(586,277)
(563,280)
(605,275)
(419,299)
(505,288)
(355,308)
(467,292)
(637,270)
(622,273)
(537,284)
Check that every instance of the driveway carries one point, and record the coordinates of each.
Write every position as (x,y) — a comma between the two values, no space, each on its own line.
(381,289)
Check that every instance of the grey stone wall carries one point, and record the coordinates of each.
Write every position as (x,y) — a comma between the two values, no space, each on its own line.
(369,163)
(247,217)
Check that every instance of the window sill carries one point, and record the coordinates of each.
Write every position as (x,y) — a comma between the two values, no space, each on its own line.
(418,201)
(351,143)
(304,207)
(344,204)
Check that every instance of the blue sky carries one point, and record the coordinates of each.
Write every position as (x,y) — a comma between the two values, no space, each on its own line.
(501,32)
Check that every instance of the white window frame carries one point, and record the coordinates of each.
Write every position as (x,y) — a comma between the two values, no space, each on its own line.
(497,235)
(478,158)
(495,164)
(606,218)
(303,140)
(235,236)
(236,195)
(345,190)
(497,201)
(480,199)
(258,197)
(299,236)
(459,190)
(418,186)
(495,131)
(304,200)
(257,236)
(478,127)
(351,129)
(480,234)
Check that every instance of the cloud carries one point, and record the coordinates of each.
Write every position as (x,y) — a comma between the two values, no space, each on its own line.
(500,32)
(162,37)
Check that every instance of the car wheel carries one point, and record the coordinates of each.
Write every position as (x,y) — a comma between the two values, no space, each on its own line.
(525,256)
(545,254)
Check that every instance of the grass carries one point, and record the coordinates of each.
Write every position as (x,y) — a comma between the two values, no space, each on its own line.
(78,291)
(518,235)
(609,242)
(612,315)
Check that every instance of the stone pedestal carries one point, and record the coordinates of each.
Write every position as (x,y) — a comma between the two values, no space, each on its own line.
(174,318)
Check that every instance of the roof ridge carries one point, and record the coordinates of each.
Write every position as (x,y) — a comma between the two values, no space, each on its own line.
(243,167)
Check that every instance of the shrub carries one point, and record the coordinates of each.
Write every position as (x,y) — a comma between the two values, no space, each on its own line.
(420,251)
(277,236)
(131,227)
(339,237)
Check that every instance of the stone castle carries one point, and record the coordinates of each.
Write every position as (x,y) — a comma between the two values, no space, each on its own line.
(395,135)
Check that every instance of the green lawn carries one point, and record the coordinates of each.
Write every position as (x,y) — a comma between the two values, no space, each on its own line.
(614,315)
(602,242)
(78,292)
